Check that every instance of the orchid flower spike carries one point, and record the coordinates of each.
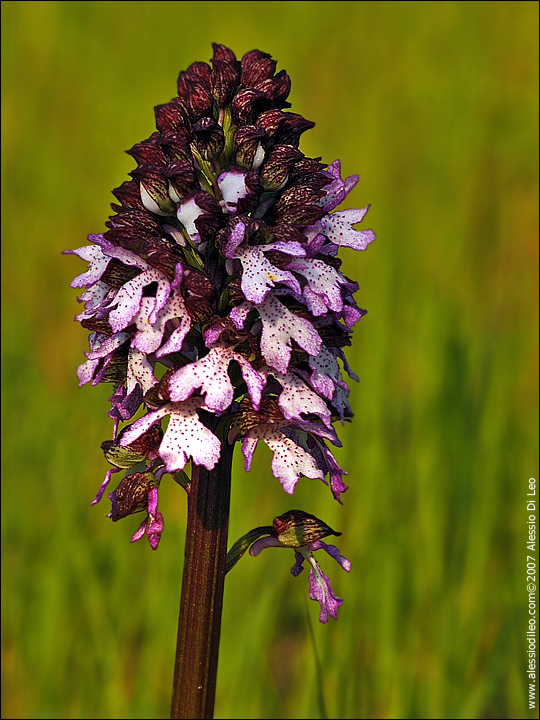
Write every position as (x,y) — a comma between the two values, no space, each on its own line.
(216,290)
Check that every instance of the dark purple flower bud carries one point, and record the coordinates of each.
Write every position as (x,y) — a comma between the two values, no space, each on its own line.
(225,80)
(271,121)
(223,54)
(276,89)
(297,206)
(256,66)
(177,145)
(196,96)
(201,72)
(284,128)
(199,294)
(308,171)
(148,152)
(209,138)
(172,116)
(297,528)
(129,195)
(278,165)
(181,177)
(291,129)
(131,225)
(159,252)
(131,495)
(117,274)
(247,105)
(154,189)
(287,233)
(249,146)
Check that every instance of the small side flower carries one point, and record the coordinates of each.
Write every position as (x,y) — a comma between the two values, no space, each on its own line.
(302,533)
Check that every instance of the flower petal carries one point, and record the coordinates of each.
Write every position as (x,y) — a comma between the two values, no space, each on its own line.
(232,184)
(280,326)
(321,591)
(150,335)
(333,551)
(290,461)
(296,398)
(127,302)
(210,374)
(185,437)
(259,274)
(98,264)
(187,213)
(298,565)
(139,371)
(236,237)
(337,190)
(248,448)
(324,282)
(338,228)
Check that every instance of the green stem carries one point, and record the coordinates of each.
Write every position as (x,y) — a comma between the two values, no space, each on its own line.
(201,603)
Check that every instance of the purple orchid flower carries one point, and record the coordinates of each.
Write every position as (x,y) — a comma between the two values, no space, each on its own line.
(301,532)
(216,290)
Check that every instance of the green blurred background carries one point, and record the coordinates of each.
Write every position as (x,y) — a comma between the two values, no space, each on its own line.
(435,105)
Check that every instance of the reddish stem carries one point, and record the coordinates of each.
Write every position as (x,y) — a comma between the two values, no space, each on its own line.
(201,603)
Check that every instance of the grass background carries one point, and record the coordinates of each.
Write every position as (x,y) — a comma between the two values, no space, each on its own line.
(435,105)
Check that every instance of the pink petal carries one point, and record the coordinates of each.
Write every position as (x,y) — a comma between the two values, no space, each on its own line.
(210,374)
(259,275)
(338,228)
(280,326)
(98,265)
(290,461)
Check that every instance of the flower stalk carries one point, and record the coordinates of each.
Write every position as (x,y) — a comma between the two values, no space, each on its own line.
(219,314)
(199,624)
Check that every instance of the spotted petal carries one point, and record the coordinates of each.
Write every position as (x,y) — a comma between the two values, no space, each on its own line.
(127,302)
(259,274)
(150,335)
(280,326)
(185,437)
(290,461)
(296,398)
(338,228)
(210,374)
(97,265)
(323,289)
(95,299)
(139,371)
